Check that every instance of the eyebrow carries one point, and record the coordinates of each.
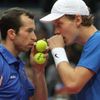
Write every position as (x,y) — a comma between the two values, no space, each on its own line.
(31,29)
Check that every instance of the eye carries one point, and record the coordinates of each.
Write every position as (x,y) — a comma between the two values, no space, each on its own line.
(30,30)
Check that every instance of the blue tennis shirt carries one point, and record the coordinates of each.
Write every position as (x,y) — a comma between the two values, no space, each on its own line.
(15,84)
(90,59)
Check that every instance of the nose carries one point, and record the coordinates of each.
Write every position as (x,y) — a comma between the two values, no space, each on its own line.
(33,37)
(56,31)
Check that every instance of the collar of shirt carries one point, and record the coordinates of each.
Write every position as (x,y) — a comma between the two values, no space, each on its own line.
(8,56)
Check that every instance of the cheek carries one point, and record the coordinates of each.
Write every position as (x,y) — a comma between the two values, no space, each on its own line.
(21,41)
(24,37)
(68,34)
(20,44)
(66,31)
(66,27)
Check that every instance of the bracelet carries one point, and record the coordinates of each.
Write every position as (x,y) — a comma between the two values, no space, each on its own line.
(59,55)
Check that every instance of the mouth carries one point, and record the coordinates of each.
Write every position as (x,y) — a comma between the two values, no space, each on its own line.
(30,45)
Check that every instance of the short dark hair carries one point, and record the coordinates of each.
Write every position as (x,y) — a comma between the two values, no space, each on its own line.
(10,18)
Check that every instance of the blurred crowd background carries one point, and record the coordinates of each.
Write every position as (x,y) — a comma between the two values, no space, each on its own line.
(40,8)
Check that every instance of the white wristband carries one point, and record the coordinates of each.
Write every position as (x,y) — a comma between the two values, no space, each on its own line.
(59,55)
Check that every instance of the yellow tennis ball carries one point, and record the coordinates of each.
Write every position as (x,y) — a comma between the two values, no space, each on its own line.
(39,58)
(41,45)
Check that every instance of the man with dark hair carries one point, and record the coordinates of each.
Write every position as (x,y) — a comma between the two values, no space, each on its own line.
(74,24)
(17,28)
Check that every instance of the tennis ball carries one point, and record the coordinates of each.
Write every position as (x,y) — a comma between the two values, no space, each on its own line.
(39,58)
(41,45)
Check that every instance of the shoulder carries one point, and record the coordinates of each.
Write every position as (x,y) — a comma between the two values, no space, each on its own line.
(93,41)
(95,36)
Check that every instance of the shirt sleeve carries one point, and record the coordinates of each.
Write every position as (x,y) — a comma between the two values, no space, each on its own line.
(30,88)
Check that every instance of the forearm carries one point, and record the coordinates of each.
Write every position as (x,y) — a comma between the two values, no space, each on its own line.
(74,78)
(69,77)
(67,73)
(65,70)
(40,86)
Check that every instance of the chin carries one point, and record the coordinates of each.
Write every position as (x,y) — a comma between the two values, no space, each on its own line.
(26,50)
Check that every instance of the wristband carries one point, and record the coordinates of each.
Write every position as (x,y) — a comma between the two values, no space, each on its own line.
(59,55)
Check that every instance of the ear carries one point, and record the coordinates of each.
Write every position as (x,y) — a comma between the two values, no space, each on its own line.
(11,33)
(78,20)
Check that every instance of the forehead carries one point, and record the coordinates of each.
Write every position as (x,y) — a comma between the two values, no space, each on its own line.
(26,21)
(60,20)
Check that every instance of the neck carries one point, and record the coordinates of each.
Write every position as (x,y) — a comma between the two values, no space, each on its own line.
(10,48)
(85,34)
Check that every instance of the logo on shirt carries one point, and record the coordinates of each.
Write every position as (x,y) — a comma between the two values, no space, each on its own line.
(12,77)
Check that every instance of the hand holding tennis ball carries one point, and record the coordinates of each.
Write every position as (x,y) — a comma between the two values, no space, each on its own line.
(39,58)
(41,45)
